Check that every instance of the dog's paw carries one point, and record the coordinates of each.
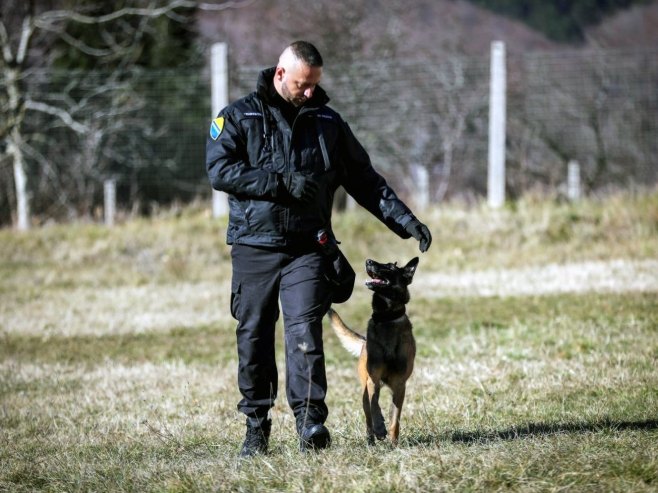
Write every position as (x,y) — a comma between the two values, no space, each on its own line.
(380,432)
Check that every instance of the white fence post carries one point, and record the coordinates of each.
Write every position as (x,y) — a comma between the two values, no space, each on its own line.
(110,201)
(497,90)
(573,180)
(422,179)
(219,99)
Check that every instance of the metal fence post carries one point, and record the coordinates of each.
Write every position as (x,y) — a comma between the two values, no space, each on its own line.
(110,201)
(219,99)
(422,192)
(496,173)
(573,180)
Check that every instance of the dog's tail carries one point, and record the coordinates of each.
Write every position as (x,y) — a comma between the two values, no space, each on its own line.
(350,340)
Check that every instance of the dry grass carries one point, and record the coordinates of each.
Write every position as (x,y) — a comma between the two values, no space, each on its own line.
(537,329)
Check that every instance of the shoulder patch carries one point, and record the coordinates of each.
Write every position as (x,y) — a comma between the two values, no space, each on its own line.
(216,127)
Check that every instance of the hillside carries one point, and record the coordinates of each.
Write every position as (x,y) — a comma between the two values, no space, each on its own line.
(344,29)
(636,27)
(365,28)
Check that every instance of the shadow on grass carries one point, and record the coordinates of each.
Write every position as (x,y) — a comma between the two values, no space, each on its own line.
(531,430)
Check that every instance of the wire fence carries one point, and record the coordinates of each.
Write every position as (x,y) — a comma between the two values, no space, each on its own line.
(146,130)
(597,108)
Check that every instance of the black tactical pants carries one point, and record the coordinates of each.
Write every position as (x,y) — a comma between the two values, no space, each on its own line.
(262,277)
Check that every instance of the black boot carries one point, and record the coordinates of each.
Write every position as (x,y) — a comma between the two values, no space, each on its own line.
(314,437)
(257,437)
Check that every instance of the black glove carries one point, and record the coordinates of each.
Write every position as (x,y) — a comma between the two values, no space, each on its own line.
(301,187)
(419,231)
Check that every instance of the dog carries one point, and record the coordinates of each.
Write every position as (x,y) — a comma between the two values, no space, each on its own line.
(387,352)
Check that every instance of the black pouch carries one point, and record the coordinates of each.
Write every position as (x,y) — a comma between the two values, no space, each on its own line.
(342,276)
(339,272)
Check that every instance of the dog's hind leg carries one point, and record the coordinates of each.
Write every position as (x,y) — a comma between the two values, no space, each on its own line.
(396,410)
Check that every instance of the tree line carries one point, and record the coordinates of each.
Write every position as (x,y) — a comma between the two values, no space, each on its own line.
(94,90)
(560,20)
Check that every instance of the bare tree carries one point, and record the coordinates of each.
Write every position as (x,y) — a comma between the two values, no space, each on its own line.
(591,106)
(458,96)
(416,122)
(30,30)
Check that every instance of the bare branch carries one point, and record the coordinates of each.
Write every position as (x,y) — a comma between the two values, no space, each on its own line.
(26,33)
(64,15)
(76,43)
(63,115)
(222,6)
(49,21)
(48,18)
(4,41)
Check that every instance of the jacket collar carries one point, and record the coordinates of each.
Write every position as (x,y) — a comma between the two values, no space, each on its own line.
(266,91)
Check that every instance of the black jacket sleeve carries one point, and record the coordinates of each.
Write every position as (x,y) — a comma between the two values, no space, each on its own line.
(369,188)
(228,167)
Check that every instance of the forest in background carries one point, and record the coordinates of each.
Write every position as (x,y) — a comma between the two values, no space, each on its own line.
(560,20)
(97,90)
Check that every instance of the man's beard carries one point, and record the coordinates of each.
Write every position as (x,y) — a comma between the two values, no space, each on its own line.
(287,95)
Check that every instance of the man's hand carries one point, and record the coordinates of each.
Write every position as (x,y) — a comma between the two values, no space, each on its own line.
(419,231)
(301,187)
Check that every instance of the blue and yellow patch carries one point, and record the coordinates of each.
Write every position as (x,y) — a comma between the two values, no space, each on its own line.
(216,127)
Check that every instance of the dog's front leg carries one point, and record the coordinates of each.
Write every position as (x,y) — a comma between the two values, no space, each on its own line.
(370,435)
(378,424)
(396,410)
(375,427)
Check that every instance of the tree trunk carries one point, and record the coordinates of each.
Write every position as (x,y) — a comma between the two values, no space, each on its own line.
(14,149)
(20,181)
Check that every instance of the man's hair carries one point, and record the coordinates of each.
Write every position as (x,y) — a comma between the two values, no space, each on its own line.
(307,53)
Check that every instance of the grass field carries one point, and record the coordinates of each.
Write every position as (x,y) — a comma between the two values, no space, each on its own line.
(537,328)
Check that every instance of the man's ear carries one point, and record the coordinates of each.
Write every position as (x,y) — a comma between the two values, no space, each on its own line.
(279,72)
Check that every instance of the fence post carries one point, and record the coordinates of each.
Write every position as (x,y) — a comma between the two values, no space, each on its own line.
(219,99)
(573,180)
(422,192)
(497,89)
(110,201)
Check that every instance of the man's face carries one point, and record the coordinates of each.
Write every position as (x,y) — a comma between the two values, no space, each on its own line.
(298,82)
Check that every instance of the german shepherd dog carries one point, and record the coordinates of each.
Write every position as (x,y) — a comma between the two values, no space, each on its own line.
(387,352)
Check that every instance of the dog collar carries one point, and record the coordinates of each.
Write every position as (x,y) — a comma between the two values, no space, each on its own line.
(389,316)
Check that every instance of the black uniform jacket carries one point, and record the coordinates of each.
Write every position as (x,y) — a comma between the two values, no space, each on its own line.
(251,145)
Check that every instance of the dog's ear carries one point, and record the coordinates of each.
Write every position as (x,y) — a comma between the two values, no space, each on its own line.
(410,269)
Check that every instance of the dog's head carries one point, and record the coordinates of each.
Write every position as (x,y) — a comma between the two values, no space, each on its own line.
(389,278)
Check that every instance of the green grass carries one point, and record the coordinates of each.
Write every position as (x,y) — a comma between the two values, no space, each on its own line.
(117,364)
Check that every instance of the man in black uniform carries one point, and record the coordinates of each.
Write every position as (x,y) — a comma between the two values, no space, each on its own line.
(280,153)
